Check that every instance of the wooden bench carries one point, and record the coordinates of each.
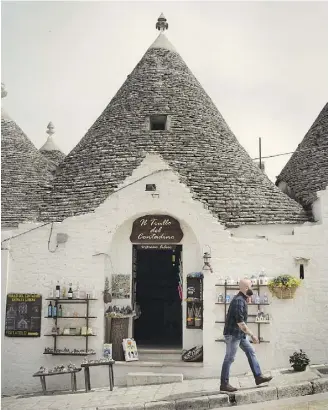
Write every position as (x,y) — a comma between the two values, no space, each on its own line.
(44,375)
(87,373)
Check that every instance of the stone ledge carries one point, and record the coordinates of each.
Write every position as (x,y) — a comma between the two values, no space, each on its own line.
(320,386)
(219,400)
(294,390)
(196,403)
(256,396)
(160,405)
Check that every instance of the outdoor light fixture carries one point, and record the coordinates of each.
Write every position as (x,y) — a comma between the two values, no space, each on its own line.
(207,259)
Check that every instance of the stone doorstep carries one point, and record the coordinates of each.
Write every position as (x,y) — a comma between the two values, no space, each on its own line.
(148,378)
(256,395)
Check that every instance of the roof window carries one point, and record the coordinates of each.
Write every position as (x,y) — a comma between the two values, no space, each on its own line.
(158,122)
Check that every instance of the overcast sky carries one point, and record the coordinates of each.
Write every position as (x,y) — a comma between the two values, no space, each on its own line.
(264,64)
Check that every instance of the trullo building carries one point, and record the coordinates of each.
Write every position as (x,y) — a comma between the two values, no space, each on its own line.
(158,184)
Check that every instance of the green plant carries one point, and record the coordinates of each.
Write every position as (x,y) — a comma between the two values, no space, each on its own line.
(106,288)
(299,360)
(284,281)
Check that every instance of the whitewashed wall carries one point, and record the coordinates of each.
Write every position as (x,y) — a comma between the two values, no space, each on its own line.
(98,245)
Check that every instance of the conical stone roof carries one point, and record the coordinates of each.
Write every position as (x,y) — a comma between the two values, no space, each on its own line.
(50,149)
(198,145)
(25,174)
(306,172)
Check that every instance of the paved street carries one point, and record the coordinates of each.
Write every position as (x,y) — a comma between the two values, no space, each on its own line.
(315,402)
(136,397)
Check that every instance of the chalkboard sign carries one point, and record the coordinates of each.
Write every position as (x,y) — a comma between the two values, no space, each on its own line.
(23,315)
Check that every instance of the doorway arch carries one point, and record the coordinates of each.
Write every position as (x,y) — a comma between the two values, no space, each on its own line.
(121,257)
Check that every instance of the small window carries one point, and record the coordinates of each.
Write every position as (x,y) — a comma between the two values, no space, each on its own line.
(158,122)
(150,187)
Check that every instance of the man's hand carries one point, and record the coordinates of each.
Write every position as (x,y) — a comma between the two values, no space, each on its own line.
(254,339)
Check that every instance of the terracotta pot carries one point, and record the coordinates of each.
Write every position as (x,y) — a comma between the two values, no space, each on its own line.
(299,367)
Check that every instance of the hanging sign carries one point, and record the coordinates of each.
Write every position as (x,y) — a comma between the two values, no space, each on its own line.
(23,315)
(156,229)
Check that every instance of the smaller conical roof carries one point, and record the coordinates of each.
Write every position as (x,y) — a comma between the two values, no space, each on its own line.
(50,149)
(306,172)
(25,174)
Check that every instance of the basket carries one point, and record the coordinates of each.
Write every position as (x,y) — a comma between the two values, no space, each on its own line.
(284,293)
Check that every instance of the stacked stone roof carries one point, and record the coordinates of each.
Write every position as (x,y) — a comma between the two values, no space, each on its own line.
(25,174)
(50,149)
(198,145)
(306,172)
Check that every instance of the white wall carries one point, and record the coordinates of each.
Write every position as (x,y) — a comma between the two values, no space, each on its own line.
(98,244)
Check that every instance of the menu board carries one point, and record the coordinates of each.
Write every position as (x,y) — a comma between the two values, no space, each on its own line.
(23,315)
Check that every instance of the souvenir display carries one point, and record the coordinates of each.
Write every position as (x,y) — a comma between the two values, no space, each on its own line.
(97,361)
(130,350)
(108,350)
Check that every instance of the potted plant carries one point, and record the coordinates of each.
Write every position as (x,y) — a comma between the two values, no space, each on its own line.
(299,361)
(284,286)
(107,295)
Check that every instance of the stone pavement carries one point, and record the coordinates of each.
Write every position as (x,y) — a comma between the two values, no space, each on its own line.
(314,402)
(190,394)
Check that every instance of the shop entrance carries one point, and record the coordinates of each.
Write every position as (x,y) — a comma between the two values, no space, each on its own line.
(157,295)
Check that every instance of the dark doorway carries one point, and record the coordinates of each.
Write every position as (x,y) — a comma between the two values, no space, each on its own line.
(157,278)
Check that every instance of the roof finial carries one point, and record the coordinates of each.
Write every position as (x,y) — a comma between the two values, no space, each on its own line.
(161,24)
(50,129)
(3,90)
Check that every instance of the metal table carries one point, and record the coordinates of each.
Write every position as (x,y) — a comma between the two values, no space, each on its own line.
(87,366)
(44,375)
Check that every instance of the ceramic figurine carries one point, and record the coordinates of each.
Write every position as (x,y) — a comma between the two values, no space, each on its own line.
(221,280)
(254,280)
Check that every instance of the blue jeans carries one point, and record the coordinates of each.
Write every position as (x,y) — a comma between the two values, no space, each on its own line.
(232,344)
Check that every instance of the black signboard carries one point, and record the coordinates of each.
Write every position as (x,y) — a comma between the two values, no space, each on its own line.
(23,315)
(151,229)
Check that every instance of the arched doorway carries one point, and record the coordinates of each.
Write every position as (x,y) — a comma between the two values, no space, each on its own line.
(157,280)
(157,284)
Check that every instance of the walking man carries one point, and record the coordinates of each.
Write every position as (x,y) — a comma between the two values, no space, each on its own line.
(235,334)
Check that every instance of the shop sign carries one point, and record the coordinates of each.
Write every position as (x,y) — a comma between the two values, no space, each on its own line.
(156,229)
(23,315)
(161,247)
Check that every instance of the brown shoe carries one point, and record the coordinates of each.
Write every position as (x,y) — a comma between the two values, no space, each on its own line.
(227,388)
(262,379)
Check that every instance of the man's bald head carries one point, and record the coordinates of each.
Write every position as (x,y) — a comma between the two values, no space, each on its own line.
(244,285)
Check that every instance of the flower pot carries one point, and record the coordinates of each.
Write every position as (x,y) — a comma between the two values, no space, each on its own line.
(284,293)
(299,367)
(107,297)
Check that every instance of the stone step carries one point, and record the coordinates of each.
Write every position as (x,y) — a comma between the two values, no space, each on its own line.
(155,355)
(148,357)
(147,378)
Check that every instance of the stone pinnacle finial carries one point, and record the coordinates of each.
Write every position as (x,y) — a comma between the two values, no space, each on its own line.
(3,90)
(161,24)
(50,129)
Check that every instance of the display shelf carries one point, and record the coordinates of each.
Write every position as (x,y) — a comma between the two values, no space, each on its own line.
(236,287)
(71,354)
(58,301)
(68,335)
(194,302)
(70,317)
(261,341)
(66,300)
(248,304)
(264,322)
(257,287)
